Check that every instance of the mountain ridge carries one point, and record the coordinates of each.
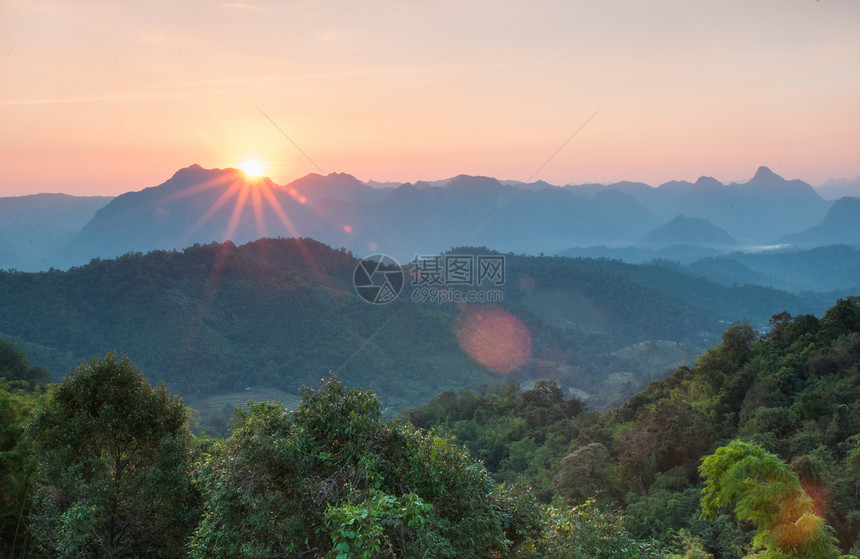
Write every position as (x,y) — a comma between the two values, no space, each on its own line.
(198,205)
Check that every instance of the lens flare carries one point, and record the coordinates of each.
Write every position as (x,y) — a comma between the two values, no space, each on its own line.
(493,337)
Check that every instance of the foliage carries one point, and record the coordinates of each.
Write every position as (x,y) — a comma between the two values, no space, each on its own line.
(761,489)
(586,532)
(334,480)
(512,433)
(114,461)
(14,366)
(794,390)
(17,467)
(215,318)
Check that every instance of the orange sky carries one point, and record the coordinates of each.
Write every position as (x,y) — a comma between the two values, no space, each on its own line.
(102,97)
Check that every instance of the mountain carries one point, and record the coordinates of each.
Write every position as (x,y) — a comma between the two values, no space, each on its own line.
(765,207)
(684,230)
(834,268)
(198,205)
(834,189)
(283,312)
(775,204)
(841,224)
(33,226)
(632,254)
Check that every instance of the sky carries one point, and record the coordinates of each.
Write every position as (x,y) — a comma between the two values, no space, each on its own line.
(104,97)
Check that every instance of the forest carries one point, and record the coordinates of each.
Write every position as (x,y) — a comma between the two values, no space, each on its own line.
(751,452)
(282,313)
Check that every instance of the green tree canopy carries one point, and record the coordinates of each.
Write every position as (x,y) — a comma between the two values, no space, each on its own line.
(14,366)
(762,490)
(333,480)
(113,456)
(17,405)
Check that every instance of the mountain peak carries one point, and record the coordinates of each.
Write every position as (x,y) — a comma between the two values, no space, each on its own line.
(474,183)
(688,230)
(764,173)
(193,173)
(704,181)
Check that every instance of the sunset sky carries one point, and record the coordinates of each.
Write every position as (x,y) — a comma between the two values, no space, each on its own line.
(103,97)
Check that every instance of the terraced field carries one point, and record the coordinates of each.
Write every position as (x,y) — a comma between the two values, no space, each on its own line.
(218,402)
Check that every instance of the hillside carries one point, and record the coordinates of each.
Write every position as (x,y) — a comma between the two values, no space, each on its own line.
(281,313)
(834,268)
(794,391)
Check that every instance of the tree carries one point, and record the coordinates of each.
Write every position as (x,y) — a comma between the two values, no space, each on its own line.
(114,461)
(583,473)
(762,490)
(14,366)
(17,467)
(586,532)
(333,480)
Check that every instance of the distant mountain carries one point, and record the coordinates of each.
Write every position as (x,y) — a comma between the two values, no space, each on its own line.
(833,268)
(200,205)
(203,205)
(765,207)
(687,230)
(33,226)
(681,253)
(775,204)
(841,224)
(834,189)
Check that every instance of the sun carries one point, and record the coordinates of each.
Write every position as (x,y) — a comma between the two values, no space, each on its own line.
(253,168)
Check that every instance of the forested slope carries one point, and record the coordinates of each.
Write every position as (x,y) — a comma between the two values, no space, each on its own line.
(794,390)
(283,313)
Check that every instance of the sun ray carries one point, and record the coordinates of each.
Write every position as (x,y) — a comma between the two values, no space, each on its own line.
(282,217)
(257,203)
(236,216)
(216,205)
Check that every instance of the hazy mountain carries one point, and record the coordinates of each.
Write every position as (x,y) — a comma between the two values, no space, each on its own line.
(197,205)
(418,219)
(834,189)
(32,226)
(841,224)
(682,253)
(833,268)
(687,230)
(775,204)
(764,208)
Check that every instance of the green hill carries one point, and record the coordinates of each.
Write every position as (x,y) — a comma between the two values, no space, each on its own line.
(283,313)
(794,391)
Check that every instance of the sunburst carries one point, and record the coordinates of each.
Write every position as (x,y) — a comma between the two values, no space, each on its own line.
(253,168)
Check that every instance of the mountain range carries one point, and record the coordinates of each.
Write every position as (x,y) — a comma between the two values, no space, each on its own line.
(678,220)
(282,313)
